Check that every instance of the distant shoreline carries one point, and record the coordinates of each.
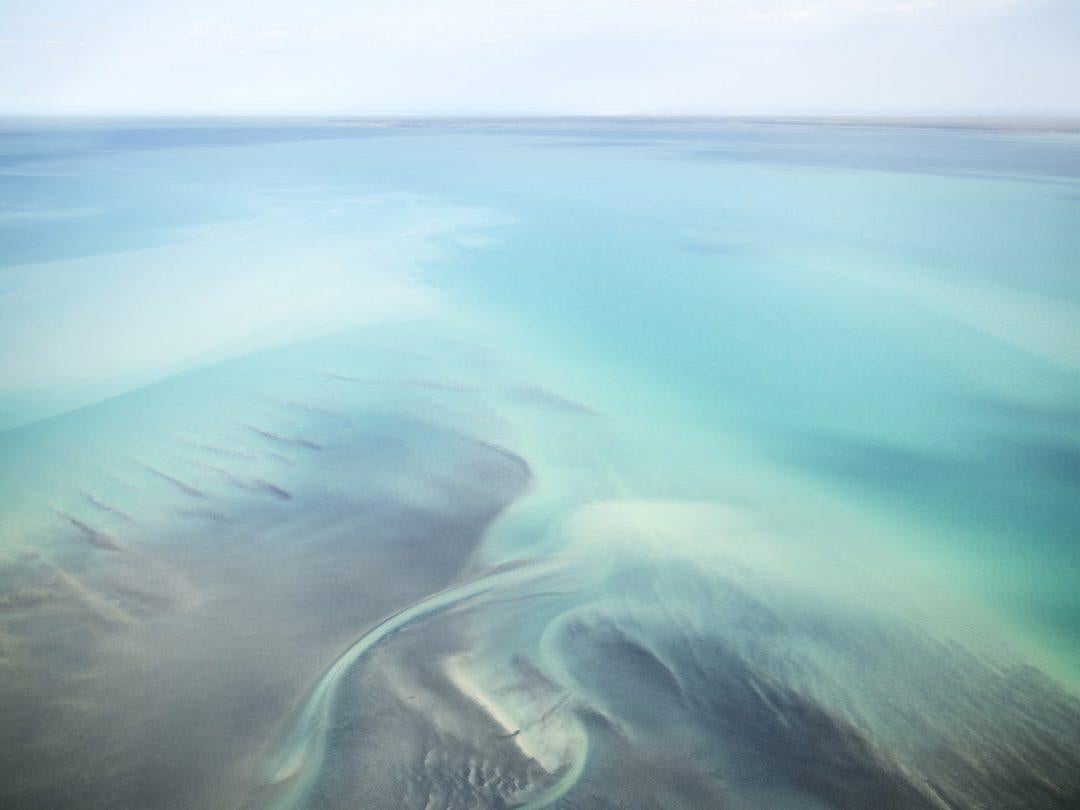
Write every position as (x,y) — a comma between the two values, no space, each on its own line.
(994,123)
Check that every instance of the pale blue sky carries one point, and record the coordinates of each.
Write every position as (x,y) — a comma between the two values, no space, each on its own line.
(375,57)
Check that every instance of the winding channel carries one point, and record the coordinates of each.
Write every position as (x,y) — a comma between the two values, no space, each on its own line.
(296,764)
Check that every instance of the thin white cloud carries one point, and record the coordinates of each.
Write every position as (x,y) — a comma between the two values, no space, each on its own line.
(11,42)
(513,56)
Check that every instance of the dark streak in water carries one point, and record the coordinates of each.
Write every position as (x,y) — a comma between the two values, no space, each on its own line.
(868,461)
(252,484)
(304,407)
(543,396)
(272,489)
(506,453)
(106,507)
(206,514)
(221,451)
(408,382)
(1058,460)
(1032,415)
(187,489)
(277,437)
(94,537)
(25,597)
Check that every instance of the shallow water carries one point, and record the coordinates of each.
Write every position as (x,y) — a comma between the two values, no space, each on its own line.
(651,464)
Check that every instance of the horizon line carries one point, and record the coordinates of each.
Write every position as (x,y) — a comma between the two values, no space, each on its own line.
(1046,122)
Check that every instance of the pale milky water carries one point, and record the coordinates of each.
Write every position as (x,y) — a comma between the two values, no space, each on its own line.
(492,464)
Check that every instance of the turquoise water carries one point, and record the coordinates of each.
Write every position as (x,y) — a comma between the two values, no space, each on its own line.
(625,464)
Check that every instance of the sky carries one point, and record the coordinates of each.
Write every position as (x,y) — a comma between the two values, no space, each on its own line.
(540,57)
